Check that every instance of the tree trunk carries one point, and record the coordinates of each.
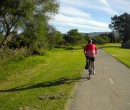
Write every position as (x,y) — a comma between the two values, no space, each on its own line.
(7,39)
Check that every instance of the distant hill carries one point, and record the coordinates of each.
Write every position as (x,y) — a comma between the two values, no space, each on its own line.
(96,33)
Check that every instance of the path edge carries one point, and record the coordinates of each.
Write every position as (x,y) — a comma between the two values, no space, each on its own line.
(72,94)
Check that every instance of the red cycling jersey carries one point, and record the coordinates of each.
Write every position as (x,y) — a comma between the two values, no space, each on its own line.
(90,50)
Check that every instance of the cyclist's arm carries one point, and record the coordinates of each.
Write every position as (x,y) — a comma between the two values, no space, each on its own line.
(85,51)
(95,50)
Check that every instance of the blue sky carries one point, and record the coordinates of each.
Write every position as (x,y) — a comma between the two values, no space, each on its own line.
(88,15)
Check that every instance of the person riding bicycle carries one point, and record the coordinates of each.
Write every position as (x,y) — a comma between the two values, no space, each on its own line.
(90,50)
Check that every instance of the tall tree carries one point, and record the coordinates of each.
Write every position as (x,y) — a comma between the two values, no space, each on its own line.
(121,24)
(11,12)
(26,15)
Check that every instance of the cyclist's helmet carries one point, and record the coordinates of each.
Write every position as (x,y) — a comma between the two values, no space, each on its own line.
(90,41)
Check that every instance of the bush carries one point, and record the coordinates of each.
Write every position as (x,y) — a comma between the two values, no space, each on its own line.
(126,45)
(9,54)
(101,39)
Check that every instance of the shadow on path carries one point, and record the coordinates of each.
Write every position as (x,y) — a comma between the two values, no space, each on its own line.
(60,81)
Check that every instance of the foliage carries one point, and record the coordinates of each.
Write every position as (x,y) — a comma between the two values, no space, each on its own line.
(54,38)
(1,38)
(87,37)
(31,17)
(121,24)
(101,39)
(113,38)
(17,54)
(126,44)
(10,17)
(73,37)
(105,38)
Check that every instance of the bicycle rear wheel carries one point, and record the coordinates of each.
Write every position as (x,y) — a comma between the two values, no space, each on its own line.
(90,69)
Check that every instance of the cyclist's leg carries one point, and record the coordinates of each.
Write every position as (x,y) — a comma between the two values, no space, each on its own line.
(93,66)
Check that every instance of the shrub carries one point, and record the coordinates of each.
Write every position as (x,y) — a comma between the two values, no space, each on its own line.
(10,54)
(126,45)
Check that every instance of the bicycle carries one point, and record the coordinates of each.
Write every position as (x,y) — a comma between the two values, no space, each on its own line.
(90,67)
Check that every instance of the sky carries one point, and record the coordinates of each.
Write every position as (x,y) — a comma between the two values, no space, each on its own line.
(88,15)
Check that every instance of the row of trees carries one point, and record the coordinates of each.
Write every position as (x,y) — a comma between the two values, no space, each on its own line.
(106,38)
(73,37)
(26,24)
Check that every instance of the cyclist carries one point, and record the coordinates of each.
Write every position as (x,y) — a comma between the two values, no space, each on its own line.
(90,50)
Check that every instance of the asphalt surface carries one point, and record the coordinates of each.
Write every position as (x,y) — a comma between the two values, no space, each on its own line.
(108,89)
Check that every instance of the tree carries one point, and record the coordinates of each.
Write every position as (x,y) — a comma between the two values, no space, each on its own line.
(1,38)
(54,38)
(73,37)
(121,24)
(101,39)
(30,16)
(11,13)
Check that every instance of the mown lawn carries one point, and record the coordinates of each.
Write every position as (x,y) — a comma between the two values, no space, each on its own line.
(122,54)
(41,82)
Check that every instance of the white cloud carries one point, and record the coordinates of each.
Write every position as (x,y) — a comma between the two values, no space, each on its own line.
(122,3)
(89,4)
(76,22)
(104,2)
(76,3)
(71,11)
(121,6)
(86,15)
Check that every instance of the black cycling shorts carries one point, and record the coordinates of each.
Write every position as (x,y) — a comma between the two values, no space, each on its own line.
(91,58)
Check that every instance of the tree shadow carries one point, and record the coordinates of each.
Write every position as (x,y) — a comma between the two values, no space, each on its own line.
(60,81)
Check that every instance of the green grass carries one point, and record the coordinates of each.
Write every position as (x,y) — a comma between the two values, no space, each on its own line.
(41,76)
(17,66)
(122,54)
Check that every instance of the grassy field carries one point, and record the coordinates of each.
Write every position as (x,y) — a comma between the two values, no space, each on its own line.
(45,82)
(41,82)
(122,54)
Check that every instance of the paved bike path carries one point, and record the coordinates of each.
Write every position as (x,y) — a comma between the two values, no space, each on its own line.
(109,89)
